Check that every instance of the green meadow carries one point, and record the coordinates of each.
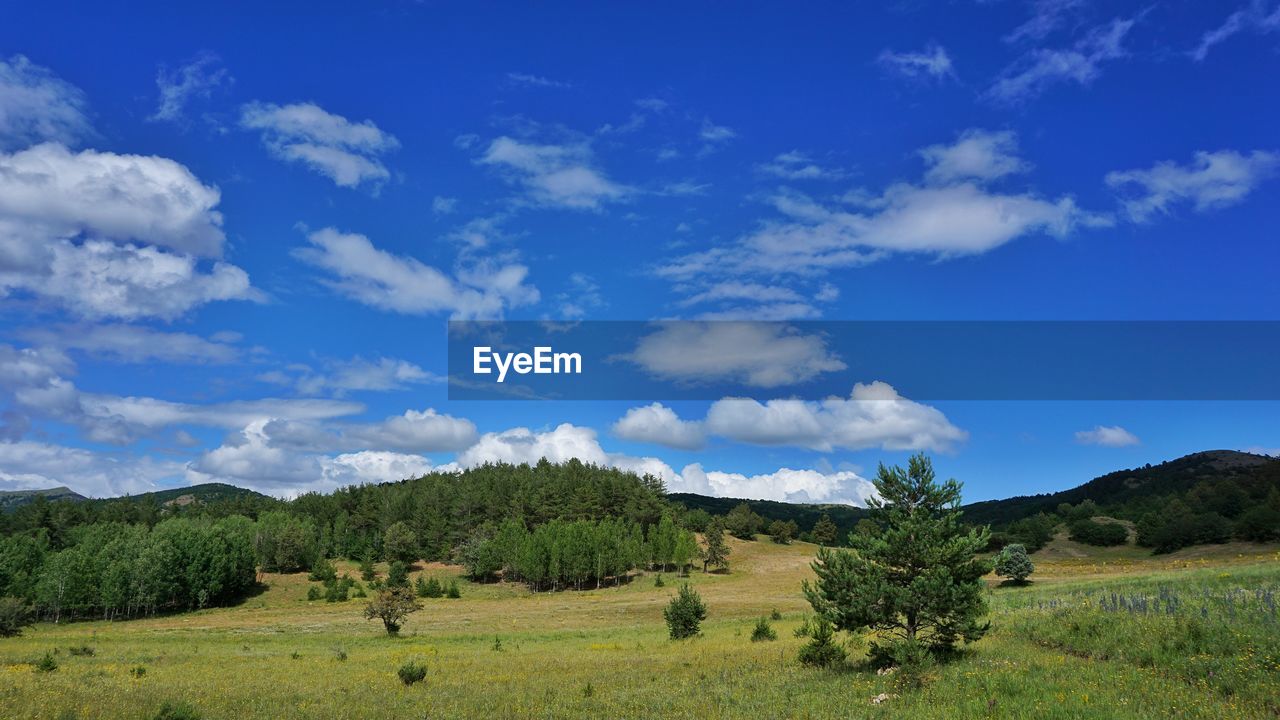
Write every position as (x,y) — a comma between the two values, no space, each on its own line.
(1193,634)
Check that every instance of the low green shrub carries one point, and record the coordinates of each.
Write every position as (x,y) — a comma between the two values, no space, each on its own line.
(412,672)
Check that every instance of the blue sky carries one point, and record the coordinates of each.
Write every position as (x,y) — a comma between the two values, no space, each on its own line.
(230,239)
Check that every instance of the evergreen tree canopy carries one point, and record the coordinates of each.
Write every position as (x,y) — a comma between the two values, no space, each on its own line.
(920,579)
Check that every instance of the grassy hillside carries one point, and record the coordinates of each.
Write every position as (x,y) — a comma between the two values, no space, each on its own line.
(501,651)
(13,499)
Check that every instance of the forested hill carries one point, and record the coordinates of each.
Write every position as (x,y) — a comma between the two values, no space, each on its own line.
(803,515)
(1130,493)
(11,499)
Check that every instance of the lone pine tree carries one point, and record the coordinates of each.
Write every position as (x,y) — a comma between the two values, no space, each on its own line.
(919,581)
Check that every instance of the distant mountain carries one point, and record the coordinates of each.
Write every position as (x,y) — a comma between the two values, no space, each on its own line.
(208,492)
(10,499)
(1129,486)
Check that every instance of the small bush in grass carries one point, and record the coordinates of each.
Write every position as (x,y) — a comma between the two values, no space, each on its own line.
(367,571)
(81,651)
(433,588)
(420,587)
(15,615)
(775,615)
(763,631)
(685,613)
(805,629)
(589,690)
(295,655)
(323,571)
(910,657)
(497,644)
(138,671)
(46,664)
(453,591)
(358,592)
(412,672)
(398,575)
(177,711)
(314,592)
(340,654)
(822,650)
(657,581)
(1012,562)
(336,593)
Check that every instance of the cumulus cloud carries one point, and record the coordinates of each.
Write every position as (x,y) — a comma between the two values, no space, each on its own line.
(346,152)
(1081,63)
(874,415)
(931,62)
(555,175)
(26,465)
(1256,16)
(975,155)
(1212,180)
(1107,436)
(657,423)
(108,235)
(757,354)
(530,80)
(406,285)
(196,79)
(36,105)
(1046,17)
(784,485)
(565,442)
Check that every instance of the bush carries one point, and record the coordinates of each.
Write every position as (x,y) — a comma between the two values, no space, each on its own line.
(685,613)
(1013,563)
(340,654)
(1092,532)
(822,650)
(775,615)
(805,629)
(412,672)
(138,671)
(763,631)
(177,711)
(323,571)
(367,571)
(392,606)
(337,592)
(658,582)
(15,615)
(46,664)
(453,592)
(81,651)
(398,575)
(314,592)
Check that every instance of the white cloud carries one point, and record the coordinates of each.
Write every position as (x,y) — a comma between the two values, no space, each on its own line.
(555,175)
(417,431)
(657,423)
(1107,436)
(26,465)
(1256,16)
(952,214)
(1081,63)
(566,441)
(530,80)
(713,133)
(758,354)
(1213,180)
(35,106)
(796,165)
(346,152)
(874,415)
(1047,16)
(406,285)
(356,374)
(784,485)
(136,344)
(441,205)
(932,62)
(975,155)
(195,80)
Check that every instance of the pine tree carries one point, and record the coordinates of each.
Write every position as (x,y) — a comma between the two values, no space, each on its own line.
(717,552)
(920,581)
(824,531)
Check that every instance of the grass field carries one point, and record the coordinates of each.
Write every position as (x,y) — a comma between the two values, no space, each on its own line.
(1117,634)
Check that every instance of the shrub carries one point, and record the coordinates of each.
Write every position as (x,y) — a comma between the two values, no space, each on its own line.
(588,690)
(658,582)
(391,606)
(177,711)
(763,631)
(910,657)
(398,575)
(340,654)
(1013,563)
(336,592)
(46,664)
(453,591)
(15,615)
(822,650)
(138,671)
(497,644)
(685,613)
(775,615)
(314,592)
(412,672)
(1092,532)
(367,571)
(805,630)
(434,588)
(81,651)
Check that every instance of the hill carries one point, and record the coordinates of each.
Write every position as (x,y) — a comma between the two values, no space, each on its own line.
(12,499)
(804,515)
(207,492)
(1253,473)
